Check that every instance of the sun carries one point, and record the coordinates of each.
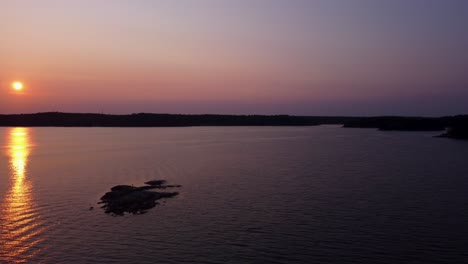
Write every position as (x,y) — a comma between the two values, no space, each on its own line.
(18,86)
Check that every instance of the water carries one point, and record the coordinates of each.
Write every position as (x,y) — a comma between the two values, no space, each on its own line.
(250,195)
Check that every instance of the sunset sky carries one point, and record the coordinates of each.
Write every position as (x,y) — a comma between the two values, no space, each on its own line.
(304,57)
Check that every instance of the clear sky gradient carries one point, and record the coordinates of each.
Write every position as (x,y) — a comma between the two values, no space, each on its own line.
(305,57)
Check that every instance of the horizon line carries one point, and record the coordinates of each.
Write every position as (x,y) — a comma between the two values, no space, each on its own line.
(211,114)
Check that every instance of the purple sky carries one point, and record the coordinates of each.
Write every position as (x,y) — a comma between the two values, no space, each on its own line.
(323,57)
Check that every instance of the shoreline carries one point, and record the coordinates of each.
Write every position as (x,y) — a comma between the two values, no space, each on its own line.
(454,126)
(58,119)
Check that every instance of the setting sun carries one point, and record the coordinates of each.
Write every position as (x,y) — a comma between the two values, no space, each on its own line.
(18,86)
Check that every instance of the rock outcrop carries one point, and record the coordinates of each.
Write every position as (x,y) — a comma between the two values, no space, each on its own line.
(135,200)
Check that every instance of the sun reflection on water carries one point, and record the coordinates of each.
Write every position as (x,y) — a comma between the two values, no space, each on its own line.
(20,224)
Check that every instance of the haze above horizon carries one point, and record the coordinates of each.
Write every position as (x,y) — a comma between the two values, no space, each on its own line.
(302,57)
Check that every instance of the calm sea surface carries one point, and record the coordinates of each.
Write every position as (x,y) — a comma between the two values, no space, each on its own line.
(250,195)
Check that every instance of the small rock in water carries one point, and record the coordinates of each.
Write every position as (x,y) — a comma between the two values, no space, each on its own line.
(136,200)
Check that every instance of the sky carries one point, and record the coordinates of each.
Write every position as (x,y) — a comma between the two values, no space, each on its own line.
(301,57)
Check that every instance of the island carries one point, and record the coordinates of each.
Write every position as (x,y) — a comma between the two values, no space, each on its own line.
(135,200)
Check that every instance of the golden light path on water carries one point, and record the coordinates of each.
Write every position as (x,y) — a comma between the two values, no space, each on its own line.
(20,223)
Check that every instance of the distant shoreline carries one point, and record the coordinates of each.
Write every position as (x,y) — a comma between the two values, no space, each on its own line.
(57,119)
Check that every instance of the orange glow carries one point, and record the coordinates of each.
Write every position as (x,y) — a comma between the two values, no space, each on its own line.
(20,223)
(19,152)
(17,86)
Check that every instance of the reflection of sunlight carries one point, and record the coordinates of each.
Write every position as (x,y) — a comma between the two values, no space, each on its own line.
(20,226)
(19,151)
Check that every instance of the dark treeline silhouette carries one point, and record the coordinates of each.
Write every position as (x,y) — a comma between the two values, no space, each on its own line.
(457,124)
(399,123)
(160,120)
(408,123)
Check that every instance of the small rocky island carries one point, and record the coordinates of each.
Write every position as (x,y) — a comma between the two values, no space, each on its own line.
(135,200)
